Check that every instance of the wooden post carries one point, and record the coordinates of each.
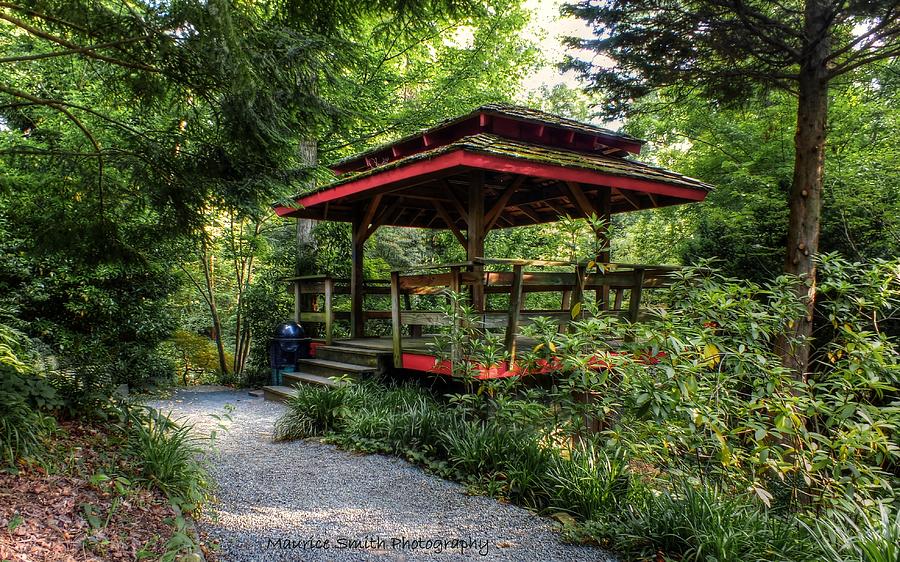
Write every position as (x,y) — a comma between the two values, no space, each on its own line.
(475,239)
(634,304)
(620,294)
(564,305)
(297,301)
(577,292)
(515,307)
(395,320)
(605,215)
(329,313)
(454,287)
(357,320)
(603,242)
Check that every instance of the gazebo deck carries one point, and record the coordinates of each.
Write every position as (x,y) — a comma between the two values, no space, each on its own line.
(494,168)
(414,300)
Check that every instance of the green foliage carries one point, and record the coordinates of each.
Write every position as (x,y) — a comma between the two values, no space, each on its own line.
(702,390)
(464,441)
(165,454)
(314,410)
(589,483)
(24,427)
(863,536)
(747,153)
(193,353)
(700,523)
(23,430)
(122,138)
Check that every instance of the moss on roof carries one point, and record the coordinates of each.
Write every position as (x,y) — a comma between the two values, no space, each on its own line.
(498,146)
(514,111)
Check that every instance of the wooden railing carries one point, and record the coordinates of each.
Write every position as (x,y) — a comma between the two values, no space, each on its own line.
(619,290)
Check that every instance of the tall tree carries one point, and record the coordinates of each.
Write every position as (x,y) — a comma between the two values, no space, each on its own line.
(729,50)
(122,122)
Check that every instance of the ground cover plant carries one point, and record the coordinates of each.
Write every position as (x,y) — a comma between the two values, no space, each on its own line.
(100,491)
(712,451)
(117,484)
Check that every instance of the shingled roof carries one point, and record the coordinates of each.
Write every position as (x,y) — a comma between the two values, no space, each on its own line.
(529,167)
(508,148)
(535,126)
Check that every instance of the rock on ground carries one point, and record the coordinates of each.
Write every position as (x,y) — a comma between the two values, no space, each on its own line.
(305,500)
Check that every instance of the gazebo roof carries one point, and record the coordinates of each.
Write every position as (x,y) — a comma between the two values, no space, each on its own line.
(534,167)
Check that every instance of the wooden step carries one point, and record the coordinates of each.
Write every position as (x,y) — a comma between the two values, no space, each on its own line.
(326,368)
(295,379)
(276,393)
(373,358)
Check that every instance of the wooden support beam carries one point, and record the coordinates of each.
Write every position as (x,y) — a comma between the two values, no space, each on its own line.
(329,312)
(451,224)
(396,336)
(577,296)
(557,208)
(368,216)
(457,204)
(506,221)
(634,303)
(653,200)
(418,213)
(500,205)
(579,199)
(455,284)
(630,197)
(297,302)
(515,308)
(357,320)
(603,241)
(475,238)
(531,213)
(389,214)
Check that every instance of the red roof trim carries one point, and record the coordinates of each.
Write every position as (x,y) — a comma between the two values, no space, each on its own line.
(580,175)
(421,168)
(495,163)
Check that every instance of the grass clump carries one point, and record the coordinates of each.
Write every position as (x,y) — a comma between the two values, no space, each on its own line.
(699,523)
(314,410)
(860,536)
(165,454)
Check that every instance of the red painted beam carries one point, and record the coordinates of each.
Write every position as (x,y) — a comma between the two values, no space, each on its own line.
(562,173)
(459,158)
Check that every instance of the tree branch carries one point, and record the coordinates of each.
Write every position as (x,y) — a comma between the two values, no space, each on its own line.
(80,50)
(66,43)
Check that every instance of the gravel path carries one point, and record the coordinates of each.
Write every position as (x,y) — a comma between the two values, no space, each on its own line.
(309,501)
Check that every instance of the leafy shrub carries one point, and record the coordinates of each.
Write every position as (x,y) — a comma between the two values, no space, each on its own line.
(23,396)
(23,429)
(165,453)
(478,448)
(716,400)
(527,468)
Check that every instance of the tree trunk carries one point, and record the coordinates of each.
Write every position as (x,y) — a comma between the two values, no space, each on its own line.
(209,277)
(306,242)
(806,191)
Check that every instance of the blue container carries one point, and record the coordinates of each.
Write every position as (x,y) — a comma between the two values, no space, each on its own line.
(288,344)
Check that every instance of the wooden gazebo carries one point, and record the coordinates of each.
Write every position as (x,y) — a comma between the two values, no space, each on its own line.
(496,167)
